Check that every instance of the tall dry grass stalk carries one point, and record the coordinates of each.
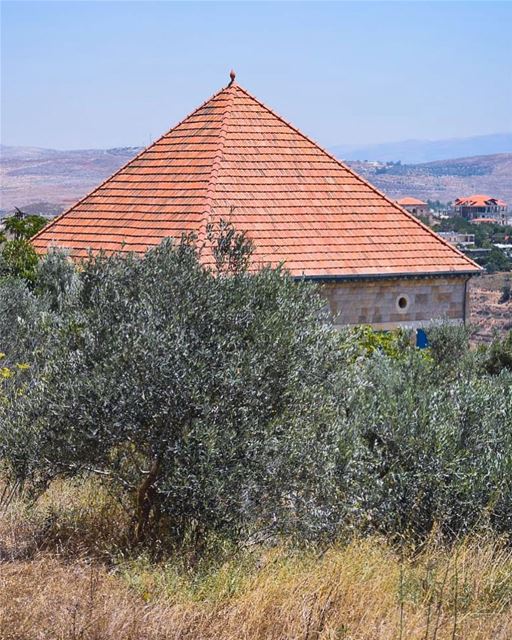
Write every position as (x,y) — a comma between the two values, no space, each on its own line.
(351,592)
(57,588)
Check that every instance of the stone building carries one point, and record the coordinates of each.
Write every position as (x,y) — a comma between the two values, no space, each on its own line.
(235,159)
(460,240)
(414,205)
(480,207)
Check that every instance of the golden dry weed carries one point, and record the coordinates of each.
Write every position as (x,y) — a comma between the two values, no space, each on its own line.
(363,591)
(59,589)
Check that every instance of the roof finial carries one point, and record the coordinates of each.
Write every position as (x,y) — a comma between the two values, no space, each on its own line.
(232,75)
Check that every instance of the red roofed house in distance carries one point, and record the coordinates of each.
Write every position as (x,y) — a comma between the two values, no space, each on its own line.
(480,208)
(414,205)
(235,159)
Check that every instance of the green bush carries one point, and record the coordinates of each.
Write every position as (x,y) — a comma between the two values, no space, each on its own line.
(497,260)
(431,451)
(506,292)
(203,396)
(17,256)
(221,403)
(499,355)
(22,227)
(18,259)
(393,343)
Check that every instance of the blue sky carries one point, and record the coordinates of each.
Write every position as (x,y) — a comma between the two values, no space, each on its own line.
(104,74)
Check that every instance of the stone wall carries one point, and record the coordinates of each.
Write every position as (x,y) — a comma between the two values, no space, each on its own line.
(390,303)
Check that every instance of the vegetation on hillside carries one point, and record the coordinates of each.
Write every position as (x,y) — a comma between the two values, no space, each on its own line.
(17,256)
(486,236)
(443,180)
(222,403)
(198,446)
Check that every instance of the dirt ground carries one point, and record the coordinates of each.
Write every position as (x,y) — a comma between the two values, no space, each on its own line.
(488,314)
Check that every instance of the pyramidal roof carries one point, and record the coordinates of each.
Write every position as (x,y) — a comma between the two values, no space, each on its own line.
(235,159)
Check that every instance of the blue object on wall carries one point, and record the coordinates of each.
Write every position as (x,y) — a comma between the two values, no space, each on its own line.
(421,339)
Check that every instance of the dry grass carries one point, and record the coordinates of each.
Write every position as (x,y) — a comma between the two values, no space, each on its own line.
(360,590)
(488,315)
(72,518)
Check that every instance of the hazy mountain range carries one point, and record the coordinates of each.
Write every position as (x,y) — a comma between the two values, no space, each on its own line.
(418,151)
(53,179)
(49,180)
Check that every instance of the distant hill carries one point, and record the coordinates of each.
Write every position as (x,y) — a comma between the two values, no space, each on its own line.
(418,151)
(47,180)
(54,179)
(442,180)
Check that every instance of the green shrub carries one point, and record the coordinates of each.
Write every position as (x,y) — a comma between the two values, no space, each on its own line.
(392,343)
(204,397)
(448,343)
(506,292)
(18,259)
(22,227)
(17,256)
(499,355)
(431,453)
(221,405)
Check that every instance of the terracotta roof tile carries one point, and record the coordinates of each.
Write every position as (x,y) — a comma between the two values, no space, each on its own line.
(408,201)
(479,200)
(484,220)
(233,158)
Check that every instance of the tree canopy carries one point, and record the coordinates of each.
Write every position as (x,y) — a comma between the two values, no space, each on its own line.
(221,402)
(17,256)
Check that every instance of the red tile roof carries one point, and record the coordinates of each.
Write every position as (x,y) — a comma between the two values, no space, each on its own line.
(479,200)
(407,202)
(233,158)
(484,221)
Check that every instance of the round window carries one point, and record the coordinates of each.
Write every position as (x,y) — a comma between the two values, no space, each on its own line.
(402,303)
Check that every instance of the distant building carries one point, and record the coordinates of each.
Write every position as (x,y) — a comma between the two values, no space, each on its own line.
(460,240)
(481,208)
(506,248)
(414,206)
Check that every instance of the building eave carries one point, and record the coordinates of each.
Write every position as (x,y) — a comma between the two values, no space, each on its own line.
(387,276)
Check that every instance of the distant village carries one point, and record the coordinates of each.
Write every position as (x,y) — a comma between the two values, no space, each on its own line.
(479,224)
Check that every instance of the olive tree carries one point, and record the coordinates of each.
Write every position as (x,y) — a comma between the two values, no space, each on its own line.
(221,400)
(205,396)
(430,452)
